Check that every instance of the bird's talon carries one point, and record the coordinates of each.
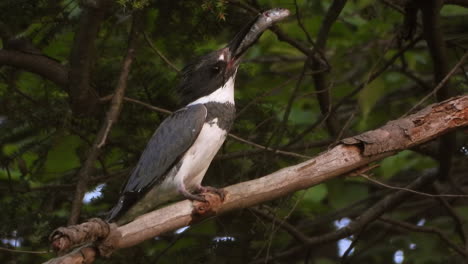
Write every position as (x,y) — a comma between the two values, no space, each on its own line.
(208,189)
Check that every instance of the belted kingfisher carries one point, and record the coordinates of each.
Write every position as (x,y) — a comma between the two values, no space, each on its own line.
(181,149)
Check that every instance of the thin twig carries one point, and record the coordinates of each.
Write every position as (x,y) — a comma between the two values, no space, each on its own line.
(302,26)
(344,257)
(166,60)
(459,226)
(373,74)
(275,89)
(364,169)
(371,214)
(318,123)
(287,153)
(345,126)
(293,231)
(424,229)
(23,251)
(154,108)
(283,126)
(409,190)
(304,238)
(441,83)
(413,77)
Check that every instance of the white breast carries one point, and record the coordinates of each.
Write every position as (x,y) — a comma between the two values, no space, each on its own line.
(225,94)
(197,159)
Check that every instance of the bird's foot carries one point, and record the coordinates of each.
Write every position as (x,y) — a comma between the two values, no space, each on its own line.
(194,197)
(213,198)
(208,189)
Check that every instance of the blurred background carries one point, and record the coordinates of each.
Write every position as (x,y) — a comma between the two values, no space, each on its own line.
(333,69)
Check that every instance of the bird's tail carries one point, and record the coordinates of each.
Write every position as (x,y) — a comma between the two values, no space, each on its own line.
(122,206)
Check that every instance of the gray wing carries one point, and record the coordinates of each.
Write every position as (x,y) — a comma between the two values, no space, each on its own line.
(172,138)
(169,142)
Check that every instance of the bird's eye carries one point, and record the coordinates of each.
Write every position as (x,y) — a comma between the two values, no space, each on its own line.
(218,67)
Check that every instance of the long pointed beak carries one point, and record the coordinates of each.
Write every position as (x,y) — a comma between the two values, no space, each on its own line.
(252,32)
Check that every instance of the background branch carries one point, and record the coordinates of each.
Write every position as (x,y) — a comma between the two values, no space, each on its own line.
(84,98)
(375,60)
(432,32)
(38,64)
(111,117)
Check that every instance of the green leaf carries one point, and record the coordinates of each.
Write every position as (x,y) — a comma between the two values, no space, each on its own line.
(62,157)
(403,160)
(367,98)
(342,193)
(314,194)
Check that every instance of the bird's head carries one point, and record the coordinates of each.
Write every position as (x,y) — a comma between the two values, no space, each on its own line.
(210,72)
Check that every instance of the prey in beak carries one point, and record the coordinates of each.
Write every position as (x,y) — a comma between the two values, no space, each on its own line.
(252,32)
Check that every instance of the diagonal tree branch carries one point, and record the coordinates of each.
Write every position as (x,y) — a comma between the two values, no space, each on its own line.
(160,54)
(353,153)
(111,117)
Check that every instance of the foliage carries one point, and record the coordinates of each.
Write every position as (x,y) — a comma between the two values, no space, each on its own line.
(43,143)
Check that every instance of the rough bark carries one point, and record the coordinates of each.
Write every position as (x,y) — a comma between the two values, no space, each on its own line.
(351,154)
